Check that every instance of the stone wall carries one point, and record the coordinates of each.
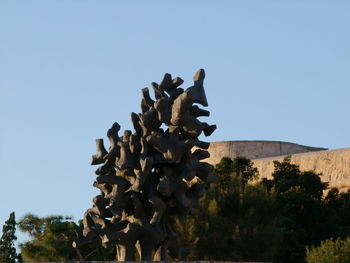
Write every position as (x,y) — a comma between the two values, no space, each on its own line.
(334,165)
(254,149)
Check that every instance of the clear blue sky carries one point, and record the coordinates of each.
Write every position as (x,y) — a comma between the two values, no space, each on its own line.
(276,70)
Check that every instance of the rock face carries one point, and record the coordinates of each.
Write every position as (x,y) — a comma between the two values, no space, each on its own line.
(254,149)
(150,176)
(334,165)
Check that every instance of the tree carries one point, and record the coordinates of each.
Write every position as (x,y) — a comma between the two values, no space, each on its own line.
(337,207)
(287,213)
(238,218)
(240,167)
(243,168)
(330,251)
(300,210)
(52,239)
(7,246)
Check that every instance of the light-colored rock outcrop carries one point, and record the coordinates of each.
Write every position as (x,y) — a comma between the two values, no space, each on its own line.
(334,165)
(254,149)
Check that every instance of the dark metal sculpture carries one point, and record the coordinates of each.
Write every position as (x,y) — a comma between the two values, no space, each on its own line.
(150,176)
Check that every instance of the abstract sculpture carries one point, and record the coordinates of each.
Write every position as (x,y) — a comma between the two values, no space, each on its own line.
(151,176)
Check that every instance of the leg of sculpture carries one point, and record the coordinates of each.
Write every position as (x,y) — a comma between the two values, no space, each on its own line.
(161,253)
(147,248)
(125,253)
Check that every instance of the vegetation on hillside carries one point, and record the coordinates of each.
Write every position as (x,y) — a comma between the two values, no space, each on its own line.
(282,219)
(233,222)
(270,220)
(330,251)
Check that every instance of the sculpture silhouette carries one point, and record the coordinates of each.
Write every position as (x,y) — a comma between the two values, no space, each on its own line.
(150,177)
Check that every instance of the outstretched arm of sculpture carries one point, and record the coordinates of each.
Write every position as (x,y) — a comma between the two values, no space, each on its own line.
(113,137)
(101,153)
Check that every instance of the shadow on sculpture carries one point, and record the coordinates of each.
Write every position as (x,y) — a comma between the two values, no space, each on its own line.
(150,176)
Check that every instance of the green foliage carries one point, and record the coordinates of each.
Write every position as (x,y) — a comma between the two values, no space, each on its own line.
(330,251)
(280,219)
(224,167)
(7,247)
(237,218)
(286,214)
(52,239)
(287,176)
(243,168)
(300,210)
(337,206)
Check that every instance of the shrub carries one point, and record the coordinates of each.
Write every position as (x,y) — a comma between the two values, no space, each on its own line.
(337,251)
